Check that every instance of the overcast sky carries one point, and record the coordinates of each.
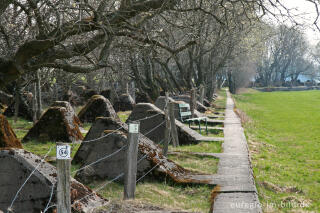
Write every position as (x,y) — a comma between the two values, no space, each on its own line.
(304,13)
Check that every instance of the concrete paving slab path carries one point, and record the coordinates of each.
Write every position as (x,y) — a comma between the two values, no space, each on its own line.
(237,188)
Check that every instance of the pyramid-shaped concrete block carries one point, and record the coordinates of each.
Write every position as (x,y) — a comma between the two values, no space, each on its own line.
(124,103)
(69,109)
(56,124)
(15,167)
(97,106)
(153,129)
(142,97)
(161,102)
(115,133)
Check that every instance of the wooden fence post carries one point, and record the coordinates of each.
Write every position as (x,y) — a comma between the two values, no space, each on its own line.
(201,93)
(193,102)
(63,178)
(130,173)
(174,132)
(168,127)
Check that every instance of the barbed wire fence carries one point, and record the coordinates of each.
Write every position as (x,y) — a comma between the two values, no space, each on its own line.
(105,157)
(27,179)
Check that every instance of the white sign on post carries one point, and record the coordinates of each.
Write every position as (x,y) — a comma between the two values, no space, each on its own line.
(134,128)
(63,152)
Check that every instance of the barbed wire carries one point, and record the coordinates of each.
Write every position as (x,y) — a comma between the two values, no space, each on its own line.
(153,128)
(111,181)
(98,189)
(49,208)
(49,201)
(112,154)
(148,154)
(116,178)
(99,160)
(152,167)
(146,118)
(21,187)
(103,158)
(149,171)
(96,139)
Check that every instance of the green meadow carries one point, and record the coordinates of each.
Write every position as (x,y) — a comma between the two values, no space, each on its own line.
(283,132)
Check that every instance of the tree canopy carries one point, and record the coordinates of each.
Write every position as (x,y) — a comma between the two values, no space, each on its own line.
(166,44)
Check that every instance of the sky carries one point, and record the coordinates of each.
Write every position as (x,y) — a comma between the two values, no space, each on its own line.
(304,13)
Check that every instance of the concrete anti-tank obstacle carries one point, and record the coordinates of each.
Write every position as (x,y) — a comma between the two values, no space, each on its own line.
(17,164)
(93,150)
(57,124)
(160,103)
(69,109)
(185,134)
(97,106)
(124,103)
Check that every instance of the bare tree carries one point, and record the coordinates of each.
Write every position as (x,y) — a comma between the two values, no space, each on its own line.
(284,53)
(187,42)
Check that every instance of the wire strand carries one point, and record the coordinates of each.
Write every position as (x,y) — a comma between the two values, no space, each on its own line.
(142,158)
(103,158)
(49,208)
(148,172)
(51,195)
(152,167)
(96,139)
(111,181)
(33,171)
(99,188)
(154,128)
(146,118)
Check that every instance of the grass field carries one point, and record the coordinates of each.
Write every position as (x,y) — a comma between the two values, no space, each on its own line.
(283,131)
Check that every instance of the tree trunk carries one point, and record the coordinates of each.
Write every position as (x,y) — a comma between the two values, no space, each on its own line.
(231,83)
(212,85)
(17,102)
(201,93)
(34,102)
(39,99)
